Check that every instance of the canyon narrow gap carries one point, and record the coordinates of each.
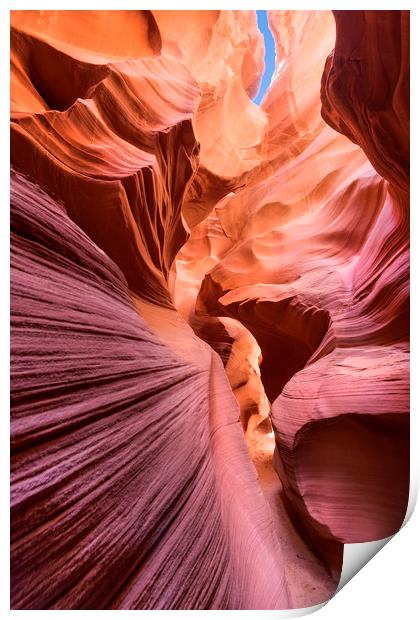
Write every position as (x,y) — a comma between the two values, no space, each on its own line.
(209,304)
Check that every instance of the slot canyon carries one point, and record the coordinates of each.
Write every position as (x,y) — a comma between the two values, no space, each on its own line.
(209,304)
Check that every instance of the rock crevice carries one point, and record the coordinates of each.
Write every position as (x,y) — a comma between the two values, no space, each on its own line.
(209,311)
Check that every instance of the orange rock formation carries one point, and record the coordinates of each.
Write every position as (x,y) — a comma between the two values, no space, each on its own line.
(209,305)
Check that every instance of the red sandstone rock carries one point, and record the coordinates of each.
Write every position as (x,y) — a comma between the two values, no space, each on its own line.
(122,129)
(130,476)
(303,40)
(165,211)
(326,250)
(365,88)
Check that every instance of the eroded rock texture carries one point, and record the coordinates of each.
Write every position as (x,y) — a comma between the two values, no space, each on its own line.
(209,305)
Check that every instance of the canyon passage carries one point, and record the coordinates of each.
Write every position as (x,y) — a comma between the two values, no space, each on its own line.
(209,303)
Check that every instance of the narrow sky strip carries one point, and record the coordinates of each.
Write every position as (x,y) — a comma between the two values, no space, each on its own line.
(269,57)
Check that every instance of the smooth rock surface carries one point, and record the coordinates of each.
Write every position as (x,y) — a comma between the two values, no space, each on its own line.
(210,339)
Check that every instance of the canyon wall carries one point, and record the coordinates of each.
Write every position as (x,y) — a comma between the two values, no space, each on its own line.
(193,276)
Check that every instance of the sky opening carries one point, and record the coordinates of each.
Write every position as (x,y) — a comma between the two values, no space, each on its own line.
(269,56)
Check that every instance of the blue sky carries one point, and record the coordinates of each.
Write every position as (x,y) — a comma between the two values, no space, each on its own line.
(269,57)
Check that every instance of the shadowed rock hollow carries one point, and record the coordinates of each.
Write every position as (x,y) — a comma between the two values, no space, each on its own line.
(210,346)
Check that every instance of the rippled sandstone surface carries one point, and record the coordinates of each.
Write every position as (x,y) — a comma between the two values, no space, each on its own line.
(209,306)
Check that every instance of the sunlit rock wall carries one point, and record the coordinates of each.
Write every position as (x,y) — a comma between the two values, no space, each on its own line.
(188,269)
(314,261)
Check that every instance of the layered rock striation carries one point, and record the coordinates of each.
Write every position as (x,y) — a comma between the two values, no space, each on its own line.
(198,282)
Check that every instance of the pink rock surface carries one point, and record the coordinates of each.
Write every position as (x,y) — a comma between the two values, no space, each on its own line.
(365,95)
(325,292)
(209,305)
(113,147)
(125,457)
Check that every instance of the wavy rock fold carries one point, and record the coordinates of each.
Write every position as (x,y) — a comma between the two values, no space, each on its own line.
(209,311)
